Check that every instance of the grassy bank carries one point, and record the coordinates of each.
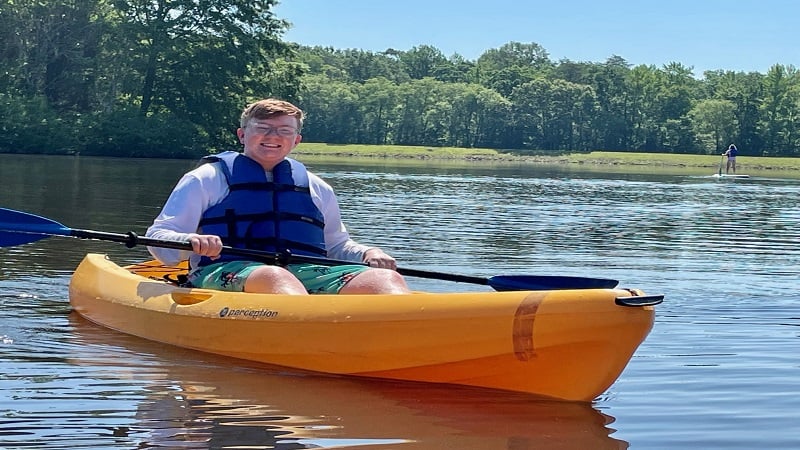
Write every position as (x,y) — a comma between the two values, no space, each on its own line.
(598,158)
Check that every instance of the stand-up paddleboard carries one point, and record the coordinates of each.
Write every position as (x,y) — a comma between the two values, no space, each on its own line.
(727,175)
(721,175)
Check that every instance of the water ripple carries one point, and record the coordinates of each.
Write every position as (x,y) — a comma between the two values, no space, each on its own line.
(720,362)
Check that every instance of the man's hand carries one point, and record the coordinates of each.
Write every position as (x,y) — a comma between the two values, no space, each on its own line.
(376,257)
(206,245)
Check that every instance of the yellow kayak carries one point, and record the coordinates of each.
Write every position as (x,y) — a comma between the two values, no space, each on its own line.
(563,344)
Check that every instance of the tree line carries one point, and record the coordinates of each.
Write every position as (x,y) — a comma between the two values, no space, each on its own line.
(168,78)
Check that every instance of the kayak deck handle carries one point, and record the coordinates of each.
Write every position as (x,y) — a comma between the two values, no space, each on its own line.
(639,300)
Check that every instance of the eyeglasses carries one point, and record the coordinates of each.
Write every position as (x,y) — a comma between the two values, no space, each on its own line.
(278,131)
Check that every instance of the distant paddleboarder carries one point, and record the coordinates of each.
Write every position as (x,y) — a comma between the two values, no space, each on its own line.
(731,154)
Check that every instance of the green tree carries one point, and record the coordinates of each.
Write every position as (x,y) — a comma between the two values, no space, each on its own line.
(675,99)
(513,54)
(415,100)
(422,61)
(552,113)
(362,65)
(505,80)
(745,91)
(332,108)
(714,124)
(778,108)
(644,85)
(478,117)
(457,69)
(194,58)
(49,49)
(378,108)
(48,73)
(615,112)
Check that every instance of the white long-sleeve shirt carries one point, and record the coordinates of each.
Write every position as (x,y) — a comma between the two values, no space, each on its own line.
(206,186)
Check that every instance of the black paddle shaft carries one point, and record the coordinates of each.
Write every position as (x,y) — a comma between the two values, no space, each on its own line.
(18,228)
(500,283)
(131,239)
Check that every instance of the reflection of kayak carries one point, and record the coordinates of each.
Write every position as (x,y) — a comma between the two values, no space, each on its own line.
(259,406)
(566,344)
(732,176)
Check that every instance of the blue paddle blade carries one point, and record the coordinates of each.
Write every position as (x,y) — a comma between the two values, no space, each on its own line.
(17,228)
(10,239)
(546,283)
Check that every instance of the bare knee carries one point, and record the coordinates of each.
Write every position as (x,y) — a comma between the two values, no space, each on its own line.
(273,280)
(376,281)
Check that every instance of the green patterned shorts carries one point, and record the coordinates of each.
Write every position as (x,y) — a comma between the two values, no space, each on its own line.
(317,279)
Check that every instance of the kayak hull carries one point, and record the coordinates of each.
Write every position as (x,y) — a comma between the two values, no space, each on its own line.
(565,344)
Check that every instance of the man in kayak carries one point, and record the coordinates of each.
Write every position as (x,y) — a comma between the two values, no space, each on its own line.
(260,199)
(731,154)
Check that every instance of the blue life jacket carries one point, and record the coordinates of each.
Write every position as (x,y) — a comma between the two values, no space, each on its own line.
(258,214)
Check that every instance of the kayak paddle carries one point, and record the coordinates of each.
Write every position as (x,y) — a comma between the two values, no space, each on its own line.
(17,228)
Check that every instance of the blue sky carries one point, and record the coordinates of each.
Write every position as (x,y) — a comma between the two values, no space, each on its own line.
(739,35)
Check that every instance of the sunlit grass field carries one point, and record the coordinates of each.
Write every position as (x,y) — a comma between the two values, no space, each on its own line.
(599,158)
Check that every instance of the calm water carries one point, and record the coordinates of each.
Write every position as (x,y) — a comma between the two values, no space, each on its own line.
(721,368)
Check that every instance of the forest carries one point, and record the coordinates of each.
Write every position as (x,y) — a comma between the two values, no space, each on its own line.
(169,78)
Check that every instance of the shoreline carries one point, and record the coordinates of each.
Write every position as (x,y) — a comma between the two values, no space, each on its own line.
(452,155)
(597,158)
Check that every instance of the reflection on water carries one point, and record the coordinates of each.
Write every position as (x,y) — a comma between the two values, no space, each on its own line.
(721,360)
(117,390)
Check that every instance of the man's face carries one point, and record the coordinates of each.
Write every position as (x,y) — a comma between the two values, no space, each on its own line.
(269,141)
